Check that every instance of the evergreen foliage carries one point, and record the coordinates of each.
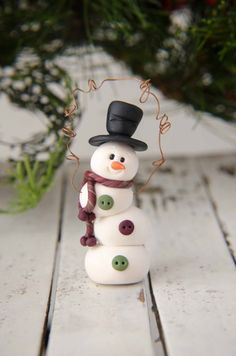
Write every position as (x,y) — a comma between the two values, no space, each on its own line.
(187,48)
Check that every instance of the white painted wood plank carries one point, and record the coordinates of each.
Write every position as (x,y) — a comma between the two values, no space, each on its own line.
(193,274)
(92,319)
(220,175)
(27,247)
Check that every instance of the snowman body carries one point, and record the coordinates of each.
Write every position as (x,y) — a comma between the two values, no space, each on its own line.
(117,264)
(127,228)
(109,201)
(120,228)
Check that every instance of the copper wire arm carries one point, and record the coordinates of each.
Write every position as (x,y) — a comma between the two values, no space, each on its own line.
(145,87)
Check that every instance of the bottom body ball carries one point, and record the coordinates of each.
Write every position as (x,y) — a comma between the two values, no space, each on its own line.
(117,264)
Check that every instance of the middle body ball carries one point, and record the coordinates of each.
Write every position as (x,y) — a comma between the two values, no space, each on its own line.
(130,227)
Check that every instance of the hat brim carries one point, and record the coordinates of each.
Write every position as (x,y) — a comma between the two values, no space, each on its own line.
(137,145)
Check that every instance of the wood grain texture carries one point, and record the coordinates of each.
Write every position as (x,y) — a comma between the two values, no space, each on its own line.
(27,247)
(191,203)
(92,319)
(192,273)
(220,179)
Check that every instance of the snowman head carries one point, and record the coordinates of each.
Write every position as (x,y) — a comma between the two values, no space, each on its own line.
(113,160)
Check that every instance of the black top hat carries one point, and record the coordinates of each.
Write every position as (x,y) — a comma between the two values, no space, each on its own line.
(122,121)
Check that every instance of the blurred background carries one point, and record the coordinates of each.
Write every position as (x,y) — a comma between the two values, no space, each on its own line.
(47,48)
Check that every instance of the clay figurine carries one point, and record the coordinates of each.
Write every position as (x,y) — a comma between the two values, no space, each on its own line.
(116,229)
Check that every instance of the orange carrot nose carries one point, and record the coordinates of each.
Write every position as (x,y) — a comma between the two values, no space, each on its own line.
(117,165)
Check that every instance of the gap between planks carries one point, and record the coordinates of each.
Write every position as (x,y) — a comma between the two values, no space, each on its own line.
(219,178)
(28,242)
(188,293)
(156,330)
(206,184)
(61,332)
(53,288)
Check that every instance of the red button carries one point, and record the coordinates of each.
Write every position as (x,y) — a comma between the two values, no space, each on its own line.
(126,227)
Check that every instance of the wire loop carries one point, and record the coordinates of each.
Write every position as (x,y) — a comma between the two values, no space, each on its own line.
(145,87)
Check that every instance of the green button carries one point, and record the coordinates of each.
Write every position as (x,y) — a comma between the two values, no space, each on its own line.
(120,263)
(105,202)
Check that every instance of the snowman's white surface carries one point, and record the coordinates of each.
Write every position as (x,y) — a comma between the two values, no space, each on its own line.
(122,197)
(116,161)
(130,227)
(102,161)
(99,266)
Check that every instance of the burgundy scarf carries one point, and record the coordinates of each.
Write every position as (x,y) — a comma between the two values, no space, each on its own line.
(86,213)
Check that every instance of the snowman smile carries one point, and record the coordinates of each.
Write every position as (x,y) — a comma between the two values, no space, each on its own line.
(117,166)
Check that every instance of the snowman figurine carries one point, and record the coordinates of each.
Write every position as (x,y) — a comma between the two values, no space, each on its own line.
(116,229)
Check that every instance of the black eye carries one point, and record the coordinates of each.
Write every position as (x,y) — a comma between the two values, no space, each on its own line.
(122,159)
(112,156)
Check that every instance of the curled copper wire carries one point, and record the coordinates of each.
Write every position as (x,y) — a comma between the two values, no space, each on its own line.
(146,93)
(70,134)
